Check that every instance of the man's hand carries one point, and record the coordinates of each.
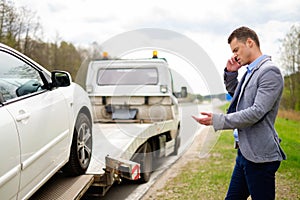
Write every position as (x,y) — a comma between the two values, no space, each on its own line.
(233,64)
(205,120)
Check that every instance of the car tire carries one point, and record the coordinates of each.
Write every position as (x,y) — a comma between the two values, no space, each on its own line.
(81,148)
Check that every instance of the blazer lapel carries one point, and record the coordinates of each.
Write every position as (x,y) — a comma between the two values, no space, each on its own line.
(250,76)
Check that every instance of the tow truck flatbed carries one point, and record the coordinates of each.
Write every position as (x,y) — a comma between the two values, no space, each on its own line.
(121,140)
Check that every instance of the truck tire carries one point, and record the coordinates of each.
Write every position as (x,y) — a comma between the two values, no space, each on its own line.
(146,163)
(177,145)
(81,148)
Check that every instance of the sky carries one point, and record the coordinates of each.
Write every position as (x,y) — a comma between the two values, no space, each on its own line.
(207,23)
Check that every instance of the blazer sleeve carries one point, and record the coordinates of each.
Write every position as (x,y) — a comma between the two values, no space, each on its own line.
(230,81)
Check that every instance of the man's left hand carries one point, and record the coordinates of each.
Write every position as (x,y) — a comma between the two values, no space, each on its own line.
(206,119)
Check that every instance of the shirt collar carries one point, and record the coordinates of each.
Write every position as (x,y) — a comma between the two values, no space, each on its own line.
(254,63)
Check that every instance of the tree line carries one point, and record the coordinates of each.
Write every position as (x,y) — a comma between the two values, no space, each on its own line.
(290,63)
(21,30)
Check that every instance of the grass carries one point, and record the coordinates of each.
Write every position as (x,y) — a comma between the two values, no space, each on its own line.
(208,178)
(288,176)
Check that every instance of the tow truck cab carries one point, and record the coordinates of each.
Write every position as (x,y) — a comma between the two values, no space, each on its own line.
(139,89)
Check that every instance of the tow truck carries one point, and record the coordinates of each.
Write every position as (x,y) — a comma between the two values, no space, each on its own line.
(136,121)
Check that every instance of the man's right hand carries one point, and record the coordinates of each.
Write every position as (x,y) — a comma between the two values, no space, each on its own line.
(233,65)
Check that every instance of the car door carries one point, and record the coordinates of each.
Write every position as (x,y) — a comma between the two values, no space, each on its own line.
(41,118)
(10,166)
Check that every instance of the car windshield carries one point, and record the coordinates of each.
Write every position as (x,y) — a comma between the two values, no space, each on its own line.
(127,76)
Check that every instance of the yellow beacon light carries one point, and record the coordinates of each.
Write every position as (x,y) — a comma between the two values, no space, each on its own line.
(105,55)
(154,54)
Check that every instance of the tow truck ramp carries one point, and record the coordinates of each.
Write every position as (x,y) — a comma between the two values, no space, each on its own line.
(61,187)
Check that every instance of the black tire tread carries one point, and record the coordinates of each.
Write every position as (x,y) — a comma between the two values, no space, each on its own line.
(73,166)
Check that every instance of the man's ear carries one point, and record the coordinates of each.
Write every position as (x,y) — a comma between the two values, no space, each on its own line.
(249,42)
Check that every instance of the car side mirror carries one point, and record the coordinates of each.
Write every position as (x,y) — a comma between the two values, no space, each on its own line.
(60,79)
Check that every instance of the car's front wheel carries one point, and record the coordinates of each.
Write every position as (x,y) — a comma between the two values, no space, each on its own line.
(81,148)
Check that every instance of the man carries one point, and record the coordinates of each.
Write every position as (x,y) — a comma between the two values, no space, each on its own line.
(252,113)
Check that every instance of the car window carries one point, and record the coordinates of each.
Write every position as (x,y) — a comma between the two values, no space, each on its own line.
(17,78)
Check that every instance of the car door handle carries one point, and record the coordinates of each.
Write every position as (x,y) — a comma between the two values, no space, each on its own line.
(22,116)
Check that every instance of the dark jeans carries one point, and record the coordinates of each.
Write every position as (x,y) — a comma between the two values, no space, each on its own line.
(255,179)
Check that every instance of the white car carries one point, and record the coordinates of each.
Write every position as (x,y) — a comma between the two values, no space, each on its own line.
(45,126)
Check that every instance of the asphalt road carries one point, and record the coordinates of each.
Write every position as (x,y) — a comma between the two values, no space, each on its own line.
(132,190)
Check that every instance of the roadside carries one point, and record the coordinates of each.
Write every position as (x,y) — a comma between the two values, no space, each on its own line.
(190,155)
(208,176)
(200,148)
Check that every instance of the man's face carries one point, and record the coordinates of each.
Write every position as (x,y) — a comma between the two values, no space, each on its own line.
(241,51)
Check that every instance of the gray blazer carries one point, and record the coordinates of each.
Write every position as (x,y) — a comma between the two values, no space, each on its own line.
(253,112)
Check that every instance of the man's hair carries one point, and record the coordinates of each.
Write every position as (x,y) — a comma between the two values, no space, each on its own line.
(242,34)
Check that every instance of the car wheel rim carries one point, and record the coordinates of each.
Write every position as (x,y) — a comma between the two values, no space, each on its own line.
(84,144)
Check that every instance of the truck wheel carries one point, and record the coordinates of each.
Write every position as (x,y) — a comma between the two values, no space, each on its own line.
(177,145)
(81,148)
(146,163)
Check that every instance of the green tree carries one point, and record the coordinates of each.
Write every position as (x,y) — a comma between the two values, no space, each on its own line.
(8,17)
(21,30)
(68,58)
(290,58)
(18,26)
